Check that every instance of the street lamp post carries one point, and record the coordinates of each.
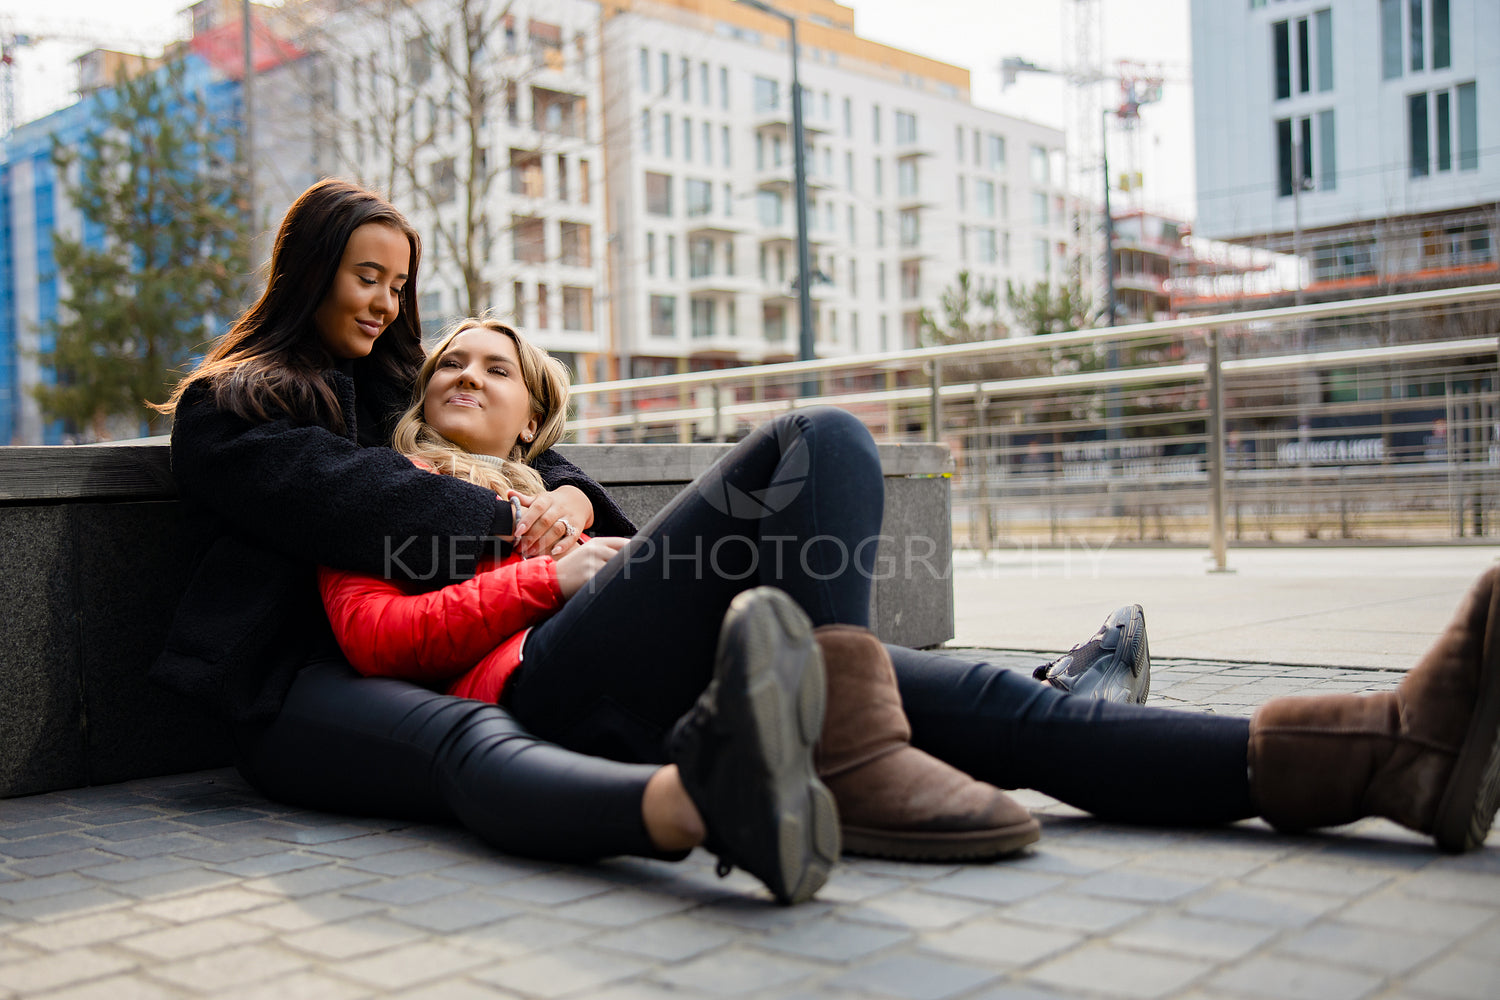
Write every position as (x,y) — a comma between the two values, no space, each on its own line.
(806,349)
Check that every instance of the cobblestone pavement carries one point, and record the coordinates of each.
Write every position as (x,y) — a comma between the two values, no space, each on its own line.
(193,885)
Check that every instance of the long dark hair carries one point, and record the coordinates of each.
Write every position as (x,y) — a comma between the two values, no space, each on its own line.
(270,362)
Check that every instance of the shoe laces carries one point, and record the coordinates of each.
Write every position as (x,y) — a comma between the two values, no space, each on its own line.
(1063,662)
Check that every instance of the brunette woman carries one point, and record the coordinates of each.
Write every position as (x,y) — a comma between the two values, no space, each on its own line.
(607,664)
(279,451)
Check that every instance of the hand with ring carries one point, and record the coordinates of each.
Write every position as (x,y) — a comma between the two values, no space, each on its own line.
(552,521)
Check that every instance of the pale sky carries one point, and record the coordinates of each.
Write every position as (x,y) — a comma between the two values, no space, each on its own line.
(975,34)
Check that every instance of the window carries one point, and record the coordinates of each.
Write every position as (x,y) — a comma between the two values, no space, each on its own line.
(1434,121)
(958,143)
(666,74)
(685,74)
(768,206)
(911,280)
(880,280)
(726,159)
(906,178)
(577,245)
(666,135)
(528,239)
(724,87)
(658,194)
(911,227)
(584,194)
(767,94)
(703,91)
(728,200)
(543,314)
(1041,260)
(650,255)
(687,139)
(875,124)
(1041,172)
(1298,61)
(699,196)
(1039,208)
(578,308)
(984,198)
(645,71)
(986,248)
(671,256)
(700,257)
(962,191)
(848,118)
(773,323)
(848,171)
(1296,140)
(526,173)
(664,316)
(562,177)
(879,176)
(997,152)
(703,318)
(906,128)
(1406,42)
(880,227)
(444,180)
(850,220)
(419,59)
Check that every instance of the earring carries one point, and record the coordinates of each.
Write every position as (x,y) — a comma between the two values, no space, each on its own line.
(526,436)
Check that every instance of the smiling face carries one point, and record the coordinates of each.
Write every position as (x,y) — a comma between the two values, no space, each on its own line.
(477,398)
(365,295)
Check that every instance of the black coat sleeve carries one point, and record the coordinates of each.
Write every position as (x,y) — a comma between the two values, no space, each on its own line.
(609,519)
(313,495)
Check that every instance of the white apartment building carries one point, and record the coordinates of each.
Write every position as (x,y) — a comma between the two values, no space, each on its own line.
(908,183)
(396,117)
(1385,110)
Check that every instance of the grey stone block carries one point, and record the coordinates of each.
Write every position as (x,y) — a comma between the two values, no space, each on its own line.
(132,572)
(41,710)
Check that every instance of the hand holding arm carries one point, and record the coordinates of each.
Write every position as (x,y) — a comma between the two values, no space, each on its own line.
(541,531)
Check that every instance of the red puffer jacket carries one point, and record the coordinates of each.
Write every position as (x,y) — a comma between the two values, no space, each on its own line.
(464,639)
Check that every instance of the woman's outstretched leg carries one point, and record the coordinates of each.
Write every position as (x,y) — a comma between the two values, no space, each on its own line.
(1426,755)
(1130,763)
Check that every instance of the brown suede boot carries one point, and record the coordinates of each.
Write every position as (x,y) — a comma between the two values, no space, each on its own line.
(894,800)
(1426,755)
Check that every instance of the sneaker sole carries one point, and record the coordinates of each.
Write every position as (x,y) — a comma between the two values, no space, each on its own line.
(784,685)
(970,845)
(1467,809)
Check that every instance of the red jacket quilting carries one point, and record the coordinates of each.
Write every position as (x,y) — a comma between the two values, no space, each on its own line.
(464,639)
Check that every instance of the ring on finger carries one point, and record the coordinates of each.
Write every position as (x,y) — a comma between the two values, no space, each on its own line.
(568,530)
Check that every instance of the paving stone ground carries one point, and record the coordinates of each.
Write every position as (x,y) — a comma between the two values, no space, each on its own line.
(193,885)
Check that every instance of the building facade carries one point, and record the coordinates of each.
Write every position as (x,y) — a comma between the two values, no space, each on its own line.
(1360,137)
(908,183)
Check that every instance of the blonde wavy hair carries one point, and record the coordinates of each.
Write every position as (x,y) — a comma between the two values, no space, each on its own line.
(546,380)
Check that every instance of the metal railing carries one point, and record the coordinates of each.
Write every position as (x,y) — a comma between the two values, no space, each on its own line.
(1371,419)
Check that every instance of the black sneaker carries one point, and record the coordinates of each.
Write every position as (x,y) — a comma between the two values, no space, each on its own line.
(1114,665)
(745,750)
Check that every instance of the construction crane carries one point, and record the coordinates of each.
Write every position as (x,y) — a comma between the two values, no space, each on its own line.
(16,35)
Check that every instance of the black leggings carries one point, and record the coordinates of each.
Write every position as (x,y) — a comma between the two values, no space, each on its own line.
(610,673)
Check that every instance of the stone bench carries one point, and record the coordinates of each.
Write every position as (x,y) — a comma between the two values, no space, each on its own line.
(93,560)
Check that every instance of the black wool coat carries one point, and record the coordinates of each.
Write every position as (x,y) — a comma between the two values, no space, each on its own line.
(267,503)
